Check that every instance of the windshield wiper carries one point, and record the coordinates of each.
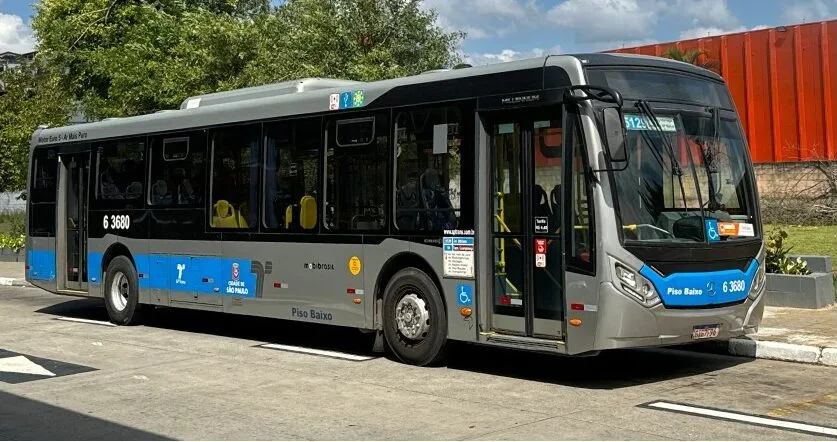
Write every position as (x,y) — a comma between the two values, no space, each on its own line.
(646,111)
(708,158)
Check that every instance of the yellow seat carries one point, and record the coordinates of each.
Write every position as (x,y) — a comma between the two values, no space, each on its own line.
(222,215)
(308,212)
(289,216)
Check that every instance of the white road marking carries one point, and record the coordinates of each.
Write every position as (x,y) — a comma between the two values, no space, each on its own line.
(6,281)
(314,351)
(746,418)
(22,365)
(86,321)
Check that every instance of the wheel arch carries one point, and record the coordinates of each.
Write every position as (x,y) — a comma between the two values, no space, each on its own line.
(391,267)
(115,249)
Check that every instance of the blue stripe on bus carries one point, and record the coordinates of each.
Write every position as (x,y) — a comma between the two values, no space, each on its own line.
(41,265)
(206,275)
(702,288)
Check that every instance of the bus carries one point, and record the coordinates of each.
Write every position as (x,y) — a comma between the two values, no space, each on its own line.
(566,204)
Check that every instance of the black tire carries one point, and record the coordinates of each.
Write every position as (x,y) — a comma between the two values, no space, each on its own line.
(430,347)
(127,311)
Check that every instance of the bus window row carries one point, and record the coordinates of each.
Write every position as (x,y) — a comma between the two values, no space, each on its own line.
(296,175)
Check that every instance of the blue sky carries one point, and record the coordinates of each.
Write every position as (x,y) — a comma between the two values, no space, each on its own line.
(502,30)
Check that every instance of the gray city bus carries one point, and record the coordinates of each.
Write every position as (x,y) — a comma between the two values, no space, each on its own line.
(566,204)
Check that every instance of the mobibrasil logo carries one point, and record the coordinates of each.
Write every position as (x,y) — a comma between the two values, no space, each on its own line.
(318,266)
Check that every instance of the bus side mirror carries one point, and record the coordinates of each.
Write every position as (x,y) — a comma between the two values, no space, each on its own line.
(615,136)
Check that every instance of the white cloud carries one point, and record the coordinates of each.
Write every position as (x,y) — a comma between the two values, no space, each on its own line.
(484,18)
(505,55)
(607,20)
(15,36)
(706,13)
(799,11)
(701,32)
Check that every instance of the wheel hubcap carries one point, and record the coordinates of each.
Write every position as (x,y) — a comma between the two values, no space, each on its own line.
(412,317)
(119,291)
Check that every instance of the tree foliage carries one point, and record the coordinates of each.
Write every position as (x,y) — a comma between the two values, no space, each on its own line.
(31,97)
(361,40)
(697,57)
(130,57)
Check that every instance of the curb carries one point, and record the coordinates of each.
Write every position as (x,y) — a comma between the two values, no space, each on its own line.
(781,351)
(14,282)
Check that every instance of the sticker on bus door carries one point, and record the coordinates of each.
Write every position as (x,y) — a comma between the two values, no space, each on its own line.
(540,252)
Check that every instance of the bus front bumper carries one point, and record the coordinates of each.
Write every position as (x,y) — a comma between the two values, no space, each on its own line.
(624,323)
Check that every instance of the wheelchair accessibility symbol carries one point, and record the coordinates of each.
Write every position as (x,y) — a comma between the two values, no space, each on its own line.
(465,294)
(712,230)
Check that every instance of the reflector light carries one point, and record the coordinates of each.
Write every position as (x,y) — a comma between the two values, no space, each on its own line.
(575,322)
(577,307)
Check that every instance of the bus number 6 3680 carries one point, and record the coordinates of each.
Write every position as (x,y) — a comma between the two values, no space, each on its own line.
(120,222)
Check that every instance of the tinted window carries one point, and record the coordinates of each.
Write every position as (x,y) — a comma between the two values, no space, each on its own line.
(432,158)
(44,181)
(178,167)
(235,177)
(44,176)
(292,166)
(358,132)
(663,86)
(581,247)
(121,170)
(356,176)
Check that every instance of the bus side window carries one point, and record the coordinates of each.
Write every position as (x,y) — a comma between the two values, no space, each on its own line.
(292,164)
(121,170)
(581,240)
(431,161)
(177,170)
(235,177)
(356,173)
(42,195)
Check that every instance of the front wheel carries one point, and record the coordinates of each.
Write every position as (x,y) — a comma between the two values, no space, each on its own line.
(415,323)
(121,292)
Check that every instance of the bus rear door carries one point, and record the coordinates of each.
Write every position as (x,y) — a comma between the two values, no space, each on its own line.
(71,232)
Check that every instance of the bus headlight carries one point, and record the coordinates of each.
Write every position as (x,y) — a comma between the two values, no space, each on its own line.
(758,282)
(634,284)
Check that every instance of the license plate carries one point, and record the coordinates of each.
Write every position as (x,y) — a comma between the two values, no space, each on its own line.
(706,331)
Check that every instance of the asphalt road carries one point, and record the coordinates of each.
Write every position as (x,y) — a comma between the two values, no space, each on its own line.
(197,375)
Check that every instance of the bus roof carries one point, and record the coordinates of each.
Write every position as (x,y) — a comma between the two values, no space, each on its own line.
(311,96)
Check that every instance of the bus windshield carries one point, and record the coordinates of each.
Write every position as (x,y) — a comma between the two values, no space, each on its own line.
(687,179)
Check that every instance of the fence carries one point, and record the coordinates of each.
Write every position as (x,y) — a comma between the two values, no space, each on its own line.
(9,203)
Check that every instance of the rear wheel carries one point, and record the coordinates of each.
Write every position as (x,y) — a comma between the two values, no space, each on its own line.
(121,292)
(415,323)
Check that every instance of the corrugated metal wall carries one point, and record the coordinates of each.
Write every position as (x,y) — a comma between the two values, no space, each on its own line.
(784,83)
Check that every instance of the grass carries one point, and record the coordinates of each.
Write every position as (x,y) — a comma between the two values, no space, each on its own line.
(7,220)
(811,240)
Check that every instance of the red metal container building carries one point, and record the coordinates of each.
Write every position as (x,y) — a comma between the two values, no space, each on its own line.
(784,83)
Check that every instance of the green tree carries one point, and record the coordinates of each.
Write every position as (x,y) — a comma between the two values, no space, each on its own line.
(123,58)
(31,97)
(692,56)
(361,40)
(130,57)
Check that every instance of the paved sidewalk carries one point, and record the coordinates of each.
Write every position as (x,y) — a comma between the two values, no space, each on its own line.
(793,334)
(786,334)
(13,273)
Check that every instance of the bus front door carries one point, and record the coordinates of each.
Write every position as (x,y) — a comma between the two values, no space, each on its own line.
(528,289)
(72,218)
